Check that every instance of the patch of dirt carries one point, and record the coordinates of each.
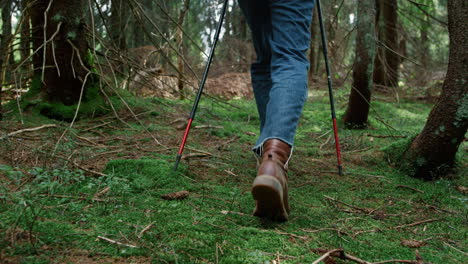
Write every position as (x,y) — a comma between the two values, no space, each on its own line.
(153,83)
(230,85)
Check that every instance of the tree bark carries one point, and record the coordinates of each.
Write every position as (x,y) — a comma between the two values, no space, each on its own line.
(25,35)
(118,22)
(392,58)
(6,35)
(4,45)
(360,97)
(66,61)
(38,8)
(432,152)
(379,61)
(180,44)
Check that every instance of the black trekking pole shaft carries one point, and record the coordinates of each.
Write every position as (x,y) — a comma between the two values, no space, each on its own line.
(201,86)
(330,88)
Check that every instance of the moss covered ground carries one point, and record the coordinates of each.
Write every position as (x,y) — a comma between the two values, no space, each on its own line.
(95,195)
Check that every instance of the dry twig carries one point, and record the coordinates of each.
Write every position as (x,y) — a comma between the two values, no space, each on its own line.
(148,227)
(27,130)
(340,253)
(115,242)
(416,223)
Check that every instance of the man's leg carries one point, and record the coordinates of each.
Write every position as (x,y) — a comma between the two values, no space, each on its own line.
(258,15)
(290,21)
(290,38)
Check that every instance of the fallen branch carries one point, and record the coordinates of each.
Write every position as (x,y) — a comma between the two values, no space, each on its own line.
(408,187)
(208,126)
(416,223)
(364,210)
(339,253)
(195,155)
(327,255)
(148,227)
(88,170)
(115,242)
(27,130)
(225,212)
(290,234)
(100,193)
(456,249)
(359,174)
(325,229)
(388,136)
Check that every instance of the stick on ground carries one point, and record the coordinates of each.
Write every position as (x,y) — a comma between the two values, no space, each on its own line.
(27,130)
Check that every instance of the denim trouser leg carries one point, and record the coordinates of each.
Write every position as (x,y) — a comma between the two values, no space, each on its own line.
(259,21)
(281,35)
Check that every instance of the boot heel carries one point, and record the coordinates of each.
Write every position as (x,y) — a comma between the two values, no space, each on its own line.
(268,193)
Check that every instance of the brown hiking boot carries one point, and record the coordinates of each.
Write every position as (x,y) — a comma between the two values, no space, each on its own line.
(270,187)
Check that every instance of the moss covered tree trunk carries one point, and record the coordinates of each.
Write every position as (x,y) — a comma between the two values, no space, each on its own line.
(64,65)
(432,152)
(360,97)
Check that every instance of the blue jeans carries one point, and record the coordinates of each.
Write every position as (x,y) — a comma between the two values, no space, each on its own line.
(281,36)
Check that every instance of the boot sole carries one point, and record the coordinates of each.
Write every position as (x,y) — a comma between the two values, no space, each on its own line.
(268,193)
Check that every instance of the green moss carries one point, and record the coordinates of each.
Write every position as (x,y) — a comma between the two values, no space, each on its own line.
(145,174)
(461,116)
(92,105)
(394,152)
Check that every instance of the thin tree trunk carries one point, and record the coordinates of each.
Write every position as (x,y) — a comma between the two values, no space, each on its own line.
(118,21)
(5,44)
(38,8)
(392,59)
(379,61)
(432,152)
(360,97)
(180,44)
(25,35)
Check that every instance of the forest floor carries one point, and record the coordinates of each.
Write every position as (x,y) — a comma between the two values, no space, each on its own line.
(94,193)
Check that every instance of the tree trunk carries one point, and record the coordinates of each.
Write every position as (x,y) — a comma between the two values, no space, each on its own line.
(66,57)
(424,51)
(392,59)
(5,44)
(118,22)
(180,44)
(432,152)
(359,99)
(379,61)
(139,23)
(38,8)
(25,35)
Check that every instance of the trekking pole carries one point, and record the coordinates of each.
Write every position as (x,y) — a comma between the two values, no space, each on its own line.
(330,89)
(200,88)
